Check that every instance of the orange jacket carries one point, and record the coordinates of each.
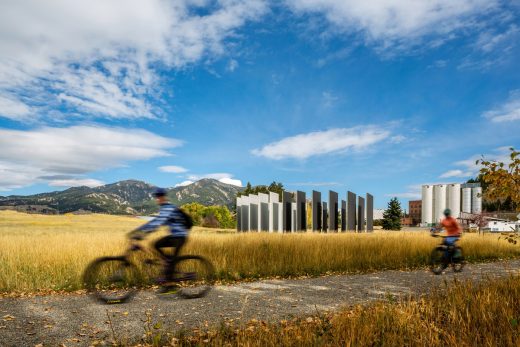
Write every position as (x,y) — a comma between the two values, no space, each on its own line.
(452,227)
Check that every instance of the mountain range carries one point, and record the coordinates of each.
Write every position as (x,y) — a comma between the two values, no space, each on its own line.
(124,197)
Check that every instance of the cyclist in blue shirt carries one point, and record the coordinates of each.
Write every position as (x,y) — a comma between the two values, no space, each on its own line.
(171,216)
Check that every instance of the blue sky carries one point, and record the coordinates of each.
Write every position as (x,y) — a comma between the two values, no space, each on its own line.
(379,96)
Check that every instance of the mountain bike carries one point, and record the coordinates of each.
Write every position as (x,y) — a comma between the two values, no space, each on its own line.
(114,280)
(444,256)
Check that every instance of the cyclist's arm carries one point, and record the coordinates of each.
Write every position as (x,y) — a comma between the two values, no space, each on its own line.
(161,219)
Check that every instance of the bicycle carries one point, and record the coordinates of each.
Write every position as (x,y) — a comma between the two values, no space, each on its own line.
(443,256)
(115,280)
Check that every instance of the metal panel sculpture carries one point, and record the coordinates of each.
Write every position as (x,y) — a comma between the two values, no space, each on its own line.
(316,211)
(351,211)
(333,211)
(301,212)
(324,217)
(361,215)
(343,215)
(265,212)
(287,208)
(370,212)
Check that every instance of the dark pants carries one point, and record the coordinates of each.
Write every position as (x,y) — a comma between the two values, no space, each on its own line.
(169,241)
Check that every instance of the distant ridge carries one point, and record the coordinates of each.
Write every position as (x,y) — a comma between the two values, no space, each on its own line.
(123,197)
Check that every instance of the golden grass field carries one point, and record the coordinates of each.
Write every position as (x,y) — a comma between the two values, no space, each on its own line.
(42,253)
(466,315)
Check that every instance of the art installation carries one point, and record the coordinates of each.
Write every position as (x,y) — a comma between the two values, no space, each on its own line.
(288,212)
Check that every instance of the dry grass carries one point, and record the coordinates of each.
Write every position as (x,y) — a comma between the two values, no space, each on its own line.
(465,315)
(50,252)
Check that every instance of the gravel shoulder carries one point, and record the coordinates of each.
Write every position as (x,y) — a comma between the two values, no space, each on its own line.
(76,320)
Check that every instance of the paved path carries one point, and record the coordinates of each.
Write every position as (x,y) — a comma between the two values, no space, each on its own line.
(75,320)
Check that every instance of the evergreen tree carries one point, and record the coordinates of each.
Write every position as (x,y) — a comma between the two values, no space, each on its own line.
(392,215)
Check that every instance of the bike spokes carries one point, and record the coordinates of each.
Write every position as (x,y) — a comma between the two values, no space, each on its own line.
(194,276)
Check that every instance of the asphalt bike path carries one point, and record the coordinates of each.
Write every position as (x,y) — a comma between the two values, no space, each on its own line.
(77,320)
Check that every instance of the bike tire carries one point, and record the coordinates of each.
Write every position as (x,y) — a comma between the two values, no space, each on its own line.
(437,260)
(194,275)
(457,263)
(109,280)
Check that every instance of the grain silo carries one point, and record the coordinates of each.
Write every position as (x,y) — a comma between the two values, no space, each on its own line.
(453,199)
(476,200)
(427,204)
(466,200)
(439,202)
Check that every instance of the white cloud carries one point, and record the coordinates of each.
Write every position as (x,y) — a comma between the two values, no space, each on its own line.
(233,182)
(508,112)
(323,142)
(76,182)
(13,108)
(457,173)
(397,22)
(232,65)
(221,177)
(33,156)
(184,183)
(490,40)
(98,57)
(329,99)
(173,169)
(397,138)
(470,167)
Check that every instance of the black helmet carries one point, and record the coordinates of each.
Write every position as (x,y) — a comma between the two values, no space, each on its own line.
(447,212)
(160,192)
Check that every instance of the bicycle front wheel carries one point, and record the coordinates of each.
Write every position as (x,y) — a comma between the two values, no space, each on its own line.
(438,260)
(110,279)
(194,275)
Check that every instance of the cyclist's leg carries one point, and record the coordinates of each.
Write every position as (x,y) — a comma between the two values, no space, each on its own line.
(164,242)
(450,242)
(177,243)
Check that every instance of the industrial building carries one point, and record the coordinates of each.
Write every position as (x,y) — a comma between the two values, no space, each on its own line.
(457,197)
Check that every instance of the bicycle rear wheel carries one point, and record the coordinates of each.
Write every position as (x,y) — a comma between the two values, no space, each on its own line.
(110,279)
(457,260)
(194,275)
(437,260)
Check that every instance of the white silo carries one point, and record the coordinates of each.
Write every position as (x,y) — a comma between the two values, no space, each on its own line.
(427,204)
(466,200)
(476,200)
(453,199)
(439,202)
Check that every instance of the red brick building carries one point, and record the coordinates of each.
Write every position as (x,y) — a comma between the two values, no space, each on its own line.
(415,211)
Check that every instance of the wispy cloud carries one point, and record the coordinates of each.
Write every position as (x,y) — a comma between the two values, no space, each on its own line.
(398,24)
(172,169)
(98,59)
(457,173)
(508,112)
(63,155)
(76,182)
(329,99)
(469,168)
(323,142)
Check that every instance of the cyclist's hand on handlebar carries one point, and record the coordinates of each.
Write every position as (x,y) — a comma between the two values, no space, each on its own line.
(136,235)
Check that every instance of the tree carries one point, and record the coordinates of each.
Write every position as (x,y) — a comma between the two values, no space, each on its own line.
(275,187)
(502,180)
(392,215)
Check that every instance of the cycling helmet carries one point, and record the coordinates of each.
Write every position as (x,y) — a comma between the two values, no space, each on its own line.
(447,212)
(160,192)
